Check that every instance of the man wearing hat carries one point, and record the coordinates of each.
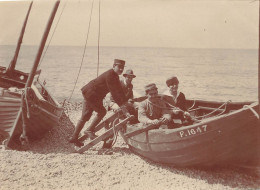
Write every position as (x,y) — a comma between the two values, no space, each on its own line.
(127,86)
(153,110)
(177,99)
(94,93)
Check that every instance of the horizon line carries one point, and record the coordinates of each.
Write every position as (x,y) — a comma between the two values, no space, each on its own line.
(138,47)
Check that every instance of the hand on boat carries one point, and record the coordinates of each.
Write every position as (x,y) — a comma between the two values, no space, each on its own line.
(125,111)
(176,111)
(186,114)
(114,107)
(164,120)
(154,122)
(130,101)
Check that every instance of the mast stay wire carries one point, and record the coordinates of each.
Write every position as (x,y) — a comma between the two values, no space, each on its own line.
(84,52)
(53,32)
(98,37)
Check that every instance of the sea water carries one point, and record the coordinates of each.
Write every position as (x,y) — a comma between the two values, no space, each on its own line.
(207,74)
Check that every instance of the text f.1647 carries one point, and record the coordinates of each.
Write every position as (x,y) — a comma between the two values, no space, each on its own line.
(193,131)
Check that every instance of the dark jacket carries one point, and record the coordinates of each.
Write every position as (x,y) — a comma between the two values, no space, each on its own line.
(107,82)
(127,89)
(180,103)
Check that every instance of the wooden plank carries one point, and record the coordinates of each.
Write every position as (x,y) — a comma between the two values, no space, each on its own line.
(107,134)
(10,109)
(101,124)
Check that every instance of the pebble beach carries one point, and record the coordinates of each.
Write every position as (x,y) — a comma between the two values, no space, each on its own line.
(52,164)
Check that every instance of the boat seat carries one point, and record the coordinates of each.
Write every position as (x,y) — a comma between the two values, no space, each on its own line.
(13,81)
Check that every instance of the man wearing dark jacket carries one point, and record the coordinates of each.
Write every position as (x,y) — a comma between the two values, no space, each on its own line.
(177,99)
(94,93)
(127,86)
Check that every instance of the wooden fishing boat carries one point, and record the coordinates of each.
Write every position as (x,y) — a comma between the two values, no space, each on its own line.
(43,110)
(227,133)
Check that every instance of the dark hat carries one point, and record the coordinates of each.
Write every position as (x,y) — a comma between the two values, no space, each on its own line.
(119,62)
(172,80)
(129,72)
(150,87)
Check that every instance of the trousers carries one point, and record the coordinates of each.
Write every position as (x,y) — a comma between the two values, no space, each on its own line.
(88,107)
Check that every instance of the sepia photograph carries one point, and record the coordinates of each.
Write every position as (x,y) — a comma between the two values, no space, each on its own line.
(129,94)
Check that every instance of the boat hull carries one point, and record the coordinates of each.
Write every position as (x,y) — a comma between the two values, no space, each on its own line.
(44,111)
(227,139)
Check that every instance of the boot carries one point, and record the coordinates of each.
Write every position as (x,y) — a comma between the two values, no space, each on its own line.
(90,134)
(74,138)
(108,143)
(90,130)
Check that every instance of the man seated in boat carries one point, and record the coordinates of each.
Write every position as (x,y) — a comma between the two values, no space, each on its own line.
(177,99)
(153,110)
(94,93)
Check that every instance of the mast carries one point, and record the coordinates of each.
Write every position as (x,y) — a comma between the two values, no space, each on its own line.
(36,63)
(20,40)
(42,44)
(259,64)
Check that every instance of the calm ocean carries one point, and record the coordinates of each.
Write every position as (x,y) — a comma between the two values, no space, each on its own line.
(209,74)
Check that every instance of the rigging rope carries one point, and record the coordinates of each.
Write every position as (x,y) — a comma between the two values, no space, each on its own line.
(114,131)
(53,32)
(98,38)
(171,107)
(252,110)
(224,104)
(83,52)
(194,102)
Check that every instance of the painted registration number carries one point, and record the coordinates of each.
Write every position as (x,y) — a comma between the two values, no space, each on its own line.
(193,131)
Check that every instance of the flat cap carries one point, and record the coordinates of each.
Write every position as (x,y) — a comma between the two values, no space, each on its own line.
(150,87)
(172,81)
(119,62)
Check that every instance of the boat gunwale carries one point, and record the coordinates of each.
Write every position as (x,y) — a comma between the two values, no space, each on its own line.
(203,122)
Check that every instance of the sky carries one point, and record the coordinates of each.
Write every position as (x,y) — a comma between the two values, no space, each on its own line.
(136,23)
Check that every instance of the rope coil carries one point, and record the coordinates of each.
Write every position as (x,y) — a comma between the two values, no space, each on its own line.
(114,131)
(224,104)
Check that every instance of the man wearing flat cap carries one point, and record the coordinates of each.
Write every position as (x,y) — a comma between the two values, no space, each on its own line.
(94,93)
(153,110)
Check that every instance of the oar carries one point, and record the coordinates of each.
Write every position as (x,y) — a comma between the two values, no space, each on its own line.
(141,130)
(107,134)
